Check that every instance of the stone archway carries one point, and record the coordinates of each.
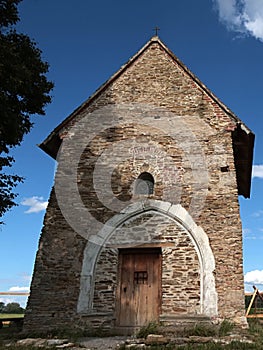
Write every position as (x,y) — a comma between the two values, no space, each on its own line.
(208,294)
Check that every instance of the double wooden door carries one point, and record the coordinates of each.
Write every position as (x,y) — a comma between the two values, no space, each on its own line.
(139,290)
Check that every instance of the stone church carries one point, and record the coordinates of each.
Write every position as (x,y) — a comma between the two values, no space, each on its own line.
(143,221)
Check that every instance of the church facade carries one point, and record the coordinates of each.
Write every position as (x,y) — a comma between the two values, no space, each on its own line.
(143,221)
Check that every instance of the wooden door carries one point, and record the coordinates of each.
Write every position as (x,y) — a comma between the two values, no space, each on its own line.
(139,292)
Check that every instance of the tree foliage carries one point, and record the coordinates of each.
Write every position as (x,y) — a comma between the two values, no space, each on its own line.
(2,306)
(11,308)
(24,91)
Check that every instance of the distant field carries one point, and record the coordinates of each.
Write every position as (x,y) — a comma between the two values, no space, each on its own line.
(11,315)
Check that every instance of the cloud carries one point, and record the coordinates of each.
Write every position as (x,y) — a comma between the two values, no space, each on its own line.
(254,277)
(257,214)
(22,300)
(228,13)
(248,234)
(6,300)
(257,171)
(35,204)
(243,16)
(18,289)
(26,277)
(246,231)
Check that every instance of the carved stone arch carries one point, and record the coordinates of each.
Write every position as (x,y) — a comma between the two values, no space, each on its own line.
(208,294)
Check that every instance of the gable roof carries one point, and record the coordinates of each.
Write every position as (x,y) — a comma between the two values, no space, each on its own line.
(243,137)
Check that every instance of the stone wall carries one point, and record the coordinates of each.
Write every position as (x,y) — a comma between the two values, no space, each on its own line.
(155,80)
(180,265)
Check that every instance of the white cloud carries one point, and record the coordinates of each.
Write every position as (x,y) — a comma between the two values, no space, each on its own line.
(22,300)
(249,288)
(35,204)
(254,277)
(246,231)
(243,16)
(248,234)
(26,277)
(253,18)
(6,300)
(228,12)
(257,214)
(257,171)
(18,289)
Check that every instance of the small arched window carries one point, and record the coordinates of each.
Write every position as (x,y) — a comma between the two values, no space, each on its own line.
(144,184)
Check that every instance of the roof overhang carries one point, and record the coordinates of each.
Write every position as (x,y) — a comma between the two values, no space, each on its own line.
(243,146)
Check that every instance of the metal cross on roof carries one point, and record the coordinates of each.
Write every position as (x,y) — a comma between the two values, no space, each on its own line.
(156,30)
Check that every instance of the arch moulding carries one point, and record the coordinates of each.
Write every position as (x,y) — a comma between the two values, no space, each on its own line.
(208,294)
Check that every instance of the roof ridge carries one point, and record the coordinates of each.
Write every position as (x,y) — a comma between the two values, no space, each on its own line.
(153,39)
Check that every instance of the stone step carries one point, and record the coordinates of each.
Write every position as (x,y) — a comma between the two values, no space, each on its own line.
(171,324)
(188,319)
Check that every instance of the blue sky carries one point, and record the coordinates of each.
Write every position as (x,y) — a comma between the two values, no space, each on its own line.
(85,42)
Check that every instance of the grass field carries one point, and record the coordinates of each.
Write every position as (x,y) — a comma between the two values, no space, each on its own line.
(11,316)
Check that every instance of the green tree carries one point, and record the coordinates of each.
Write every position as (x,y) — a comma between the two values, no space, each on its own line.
(2,305)
(13,308)
(24,91)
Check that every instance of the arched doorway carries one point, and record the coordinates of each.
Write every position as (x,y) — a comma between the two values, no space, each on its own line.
(175,213)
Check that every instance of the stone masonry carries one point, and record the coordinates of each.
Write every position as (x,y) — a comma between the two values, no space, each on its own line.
(155,117)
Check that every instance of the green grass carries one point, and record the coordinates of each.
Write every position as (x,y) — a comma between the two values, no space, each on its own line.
(226,327)
(255,332)
(201,330)
(232,346)
(151,328)
(209,346)
(11,316)
(254,311)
